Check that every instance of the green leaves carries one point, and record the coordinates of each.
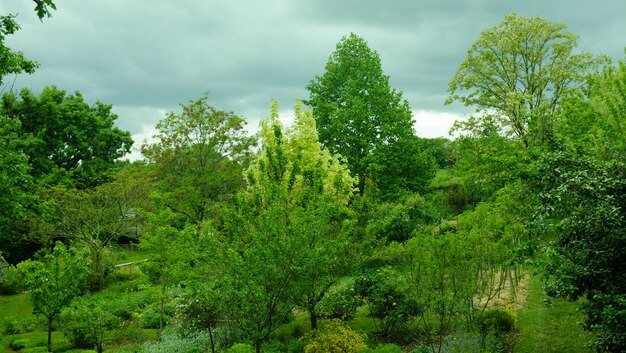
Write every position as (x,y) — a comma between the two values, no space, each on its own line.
(355,109)
(518,72)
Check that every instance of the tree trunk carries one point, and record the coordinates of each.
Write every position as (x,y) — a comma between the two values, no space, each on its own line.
(257,346)
(99,347)
(313,316)
(211,338)
(50,334)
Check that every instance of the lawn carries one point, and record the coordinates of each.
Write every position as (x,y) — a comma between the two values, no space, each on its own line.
(550,325)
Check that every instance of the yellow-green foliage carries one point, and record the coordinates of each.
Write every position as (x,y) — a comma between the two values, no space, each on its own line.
(298,151)
(335,337)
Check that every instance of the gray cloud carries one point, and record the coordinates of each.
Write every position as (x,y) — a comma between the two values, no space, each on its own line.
(146,57)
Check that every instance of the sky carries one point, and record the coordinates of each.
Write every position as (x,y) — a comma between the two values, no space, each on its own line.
(146,57)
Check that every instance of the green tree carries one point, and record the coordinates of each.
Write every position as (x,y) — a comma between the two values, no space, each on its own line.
(86,323)
(54,280)
(356,110)
(67,141)
(582,199)
(516,75)
(285,242)
(198,157)
(18,200)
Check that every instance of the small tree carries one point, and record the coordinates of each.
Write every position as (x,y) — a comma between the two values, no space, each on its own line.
(54,280)
(86,323)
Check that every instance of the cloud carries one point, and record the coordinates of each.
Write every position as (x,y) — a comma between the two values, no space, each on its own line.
(148,56)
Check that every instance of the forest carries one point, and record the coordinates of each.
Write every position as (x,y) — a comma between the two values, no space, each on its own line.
(342,231)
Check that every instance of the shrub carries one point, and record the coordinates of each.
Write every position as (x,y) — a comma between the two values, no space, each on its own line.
(18,344)
(384,348)
(340,304)
(334,337)
(151,318)
(86,322)
(496,320)
(10,281)
(13,326)
(199,342)
(241,348)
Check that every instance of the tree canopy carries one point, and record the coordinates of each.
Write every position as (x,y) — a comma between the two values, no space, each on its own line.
(356,110)
(518,72)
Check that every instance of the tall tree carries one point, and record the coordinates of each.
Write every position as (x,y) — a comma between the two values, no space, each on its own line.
(517,73)
(54,280)
(67,140)
(356,110)
(198,157)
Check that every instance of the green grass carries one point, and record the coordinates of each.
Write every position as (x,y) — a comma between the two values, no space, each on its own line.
(17,306)
(549,328)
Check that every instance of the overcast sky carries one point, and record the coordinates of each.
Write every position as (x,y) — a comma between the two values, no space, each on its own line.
(146,56)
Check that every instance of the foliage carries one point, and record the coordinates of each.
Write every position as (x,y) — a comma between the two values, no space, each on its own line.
(388,304)
(54,280)
(359,116)
(241,348)
(198,158)
(334,337)
(67,141)
(339,304)
(86,323)
(12,62)
(10,281)
(398,221)
(496,320)
(172,343)
(384,348)
(516,75)
(18,199)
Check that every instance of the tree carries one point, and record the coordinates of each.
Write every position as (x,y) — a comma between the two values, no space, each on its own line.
(18,201)
(198,156)
(54,280)
(284,244)
(96,217)
(582,191)
(355,109)
(86,323)
(517,74)
(67,141)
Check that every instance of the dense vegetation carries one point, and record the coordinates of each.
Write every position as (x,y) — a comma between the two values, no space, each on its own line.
(343,232)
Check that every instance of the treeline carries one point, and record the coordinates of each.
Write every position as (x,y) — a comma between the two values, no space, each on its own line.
(346,212)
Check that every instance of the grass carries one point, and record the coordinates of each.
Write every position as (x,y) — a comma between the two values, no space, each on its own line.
(17,306)
(550,328)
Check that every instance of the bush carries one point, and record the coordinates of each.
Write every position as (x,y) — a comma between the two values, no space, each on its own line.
(495,320)
(86,322)
(384,348)
(10,281)
(334,337)
(340,304)
(173,343)
(18,344)
(13,326)
(241,348)
(126,273)
(151,318)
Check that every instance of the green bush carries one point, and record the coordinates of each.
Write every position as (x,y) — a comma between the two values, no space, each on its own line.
(495,320)
(384,348)
(10,281)
(173,343)
(19,343)
(241,348)
(13,326)
(340,304)
(334,337)
(151,317)
(126,273)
